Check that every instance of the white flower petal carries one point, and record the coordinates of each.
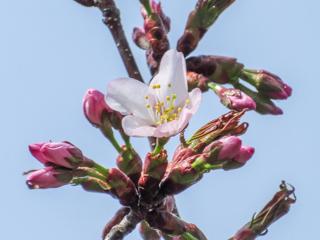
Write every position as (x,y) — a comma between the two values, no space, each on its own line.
(195,97)
(137,127)
(127,96)
(172,77)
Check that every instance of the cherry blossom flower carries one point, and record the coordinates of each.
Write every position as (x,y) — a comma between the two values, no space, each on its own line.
(161,109)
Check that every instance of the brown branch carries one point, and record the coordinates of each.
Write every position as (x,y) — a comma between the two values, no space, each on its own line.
(126,226)
(111,17)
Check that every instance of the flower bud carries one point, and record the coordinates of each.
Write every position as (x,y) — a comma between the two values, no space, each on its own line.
(218,69)
(232,98)
(275,209)
(267,83)
(156,27)
(49,177)
(157,9)
(122,187)
(200,19)
(176,228)
(94,106)
(245,153)
(130,163)
(196,80)
(62,154)
(229,147)
(154,168)
(180,175)
(139,38)
(87,3)
(227,124)
(263,104)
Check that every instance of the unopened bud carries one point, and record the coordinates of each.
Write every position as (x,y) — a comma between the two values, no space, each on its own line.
(94,107)
(267,83)
(49,177)
(87,3)
(130,163)
(154,168)
(176,228)
(218,69)
(232,98)
(156,27)
(62,154)
(196,80)
(122,187)
(227,124)
(228,147)
(200,19)
(139,38)
(244,154)
(263,104)
(180,176)
(156,8)
(275,209)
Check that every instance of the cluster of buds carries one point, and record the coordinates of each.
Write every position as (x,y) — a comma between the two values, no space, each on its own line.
(60,160)
(218,70)
(215,146)
(153,36)
(65,164)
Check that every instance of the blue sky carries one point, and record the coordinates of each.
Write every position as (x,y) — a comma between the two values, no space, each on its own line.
(51,52)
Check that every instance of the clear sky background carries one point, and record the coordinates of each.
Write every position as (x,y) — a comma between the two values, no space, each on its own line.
(51,52)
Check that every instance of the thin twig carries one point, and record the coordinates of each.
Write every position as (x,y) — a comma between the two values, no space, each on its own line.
(126,226)
(112,19)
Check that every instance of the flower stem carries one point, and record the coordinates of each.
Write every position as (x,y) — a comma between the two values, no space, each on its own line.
(214,87)
(113,141)
(160,142)
(104,171)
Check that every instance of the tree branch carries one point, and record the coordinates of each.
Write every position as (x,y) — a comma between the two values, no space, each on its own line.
(112,19)
(126,226)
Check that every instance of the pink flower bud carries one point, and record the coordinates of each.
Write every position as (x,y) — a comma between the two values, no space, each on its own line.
(234,99)
(94,106)
(156,8)
(122,187)
(49,177)
(62,154)
(268,84)
(230,147)
(244,154)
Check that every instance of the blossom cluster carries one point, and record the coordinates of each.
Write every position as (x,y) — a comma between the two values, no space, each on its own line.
(146,186)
